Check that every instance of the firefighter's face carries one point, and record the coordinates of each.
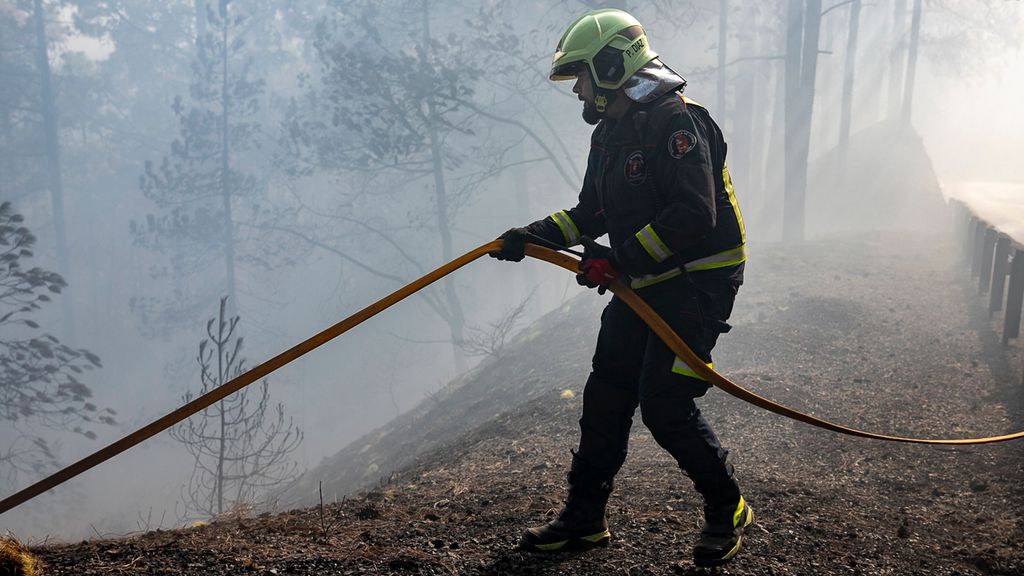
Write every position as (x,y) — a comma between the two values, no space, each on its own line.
(583,87)
(584,90)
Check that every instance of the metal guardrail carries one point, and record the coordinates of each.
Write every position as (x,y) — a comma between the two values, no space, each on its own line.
(997,262)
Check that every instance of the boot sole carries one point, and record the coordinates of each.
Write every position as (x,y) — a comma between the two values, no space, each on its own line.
(712,562)
(580,542)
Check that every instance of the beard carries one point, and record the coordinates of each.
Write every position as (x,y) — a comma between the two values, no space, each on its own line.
(590,114)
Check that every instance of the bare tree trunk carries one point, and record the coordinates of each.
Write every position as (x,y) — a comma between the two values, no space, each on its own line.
(6,164)
(848,76)
(723,25)
(908,87)
(795,179)
(809,61)
(740,153)
(899,24)
(521,181)
(200,8)
(801,73)
(456,320)
(227,224)
(222,377)
(221,453)
(53,166)
(808,83)
(770,157)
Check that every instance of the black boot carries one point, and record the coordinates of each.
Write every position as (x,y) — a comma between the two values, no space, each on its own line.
(722,536)
(582,521)
(726,514)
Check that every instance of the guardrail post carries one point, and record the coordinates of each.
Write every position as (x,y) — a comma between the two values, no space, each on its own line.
(968,240)
(977,242)
(965,223)
(999,272)
(987,247)
(1014,297)
(956,218)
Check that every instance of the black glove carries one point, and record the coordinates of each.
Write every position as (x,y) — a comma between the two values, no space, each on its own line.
(598,268)
(514,247)
(592,251)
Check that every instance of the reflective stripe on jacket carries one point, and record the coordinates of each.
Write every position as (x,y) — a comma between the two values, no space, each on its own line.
(658,185)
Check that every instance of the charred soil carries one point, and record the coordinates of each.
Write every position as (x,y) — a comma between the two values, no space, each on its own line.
(882,333)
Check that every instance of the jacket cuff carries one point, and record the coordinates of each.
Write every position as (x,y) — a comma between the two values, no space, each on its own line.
(570,232)
(653,244)
(547,229)
(642,253)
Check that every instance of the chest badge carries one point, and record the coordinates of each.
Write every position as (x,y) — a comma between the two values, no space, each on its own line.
(681,142)
(635,168)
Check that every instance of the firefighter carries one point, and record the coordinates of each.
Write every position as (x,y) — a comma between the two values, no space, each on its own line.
(657,184)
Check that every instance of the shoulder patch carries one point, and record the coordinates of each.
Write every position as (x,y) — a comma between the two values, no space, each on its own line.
(681,142)
(635,168)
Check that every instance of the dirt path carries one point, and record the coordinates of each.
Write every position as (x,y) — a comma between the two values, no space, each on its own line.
(885,335)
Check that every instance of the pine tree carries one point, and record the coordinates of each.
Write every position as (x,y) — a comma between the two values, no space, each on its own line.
(200,187)
(240,445)
(39,376)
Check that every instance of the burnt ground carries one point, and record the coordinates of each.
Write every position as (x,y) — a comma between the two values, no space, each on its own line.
(882,333)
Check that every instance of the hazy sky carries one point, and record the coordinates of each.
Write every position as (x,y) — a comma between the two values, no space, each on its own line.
(973,127)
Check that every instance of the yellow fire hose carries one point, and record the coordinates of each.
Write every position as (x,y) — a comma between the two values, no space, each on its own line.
(674,342)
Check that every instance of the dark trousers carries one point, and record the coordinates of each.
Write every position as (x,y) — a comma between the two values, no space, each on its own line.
(633,367)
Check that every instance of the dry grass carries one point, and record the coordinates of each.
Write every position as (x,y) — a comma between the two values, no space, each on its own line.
(15,559)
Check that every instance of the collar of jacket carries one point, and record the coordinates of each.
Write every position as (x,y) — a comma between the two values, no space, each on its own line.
(634,125)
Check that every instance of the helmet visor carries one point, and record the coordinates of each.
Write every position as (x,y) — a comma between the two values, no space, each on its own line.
(567,71)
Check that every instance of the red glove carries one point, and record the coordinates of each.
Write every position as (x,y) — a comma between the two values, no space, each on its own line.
(596,268)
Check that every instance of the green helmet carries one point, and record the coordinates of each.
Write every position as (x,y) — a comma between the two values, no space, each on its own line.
(610,42)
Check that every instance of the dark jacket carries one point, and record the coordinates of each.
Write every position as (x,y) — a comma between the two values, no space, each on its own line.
(658,185)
